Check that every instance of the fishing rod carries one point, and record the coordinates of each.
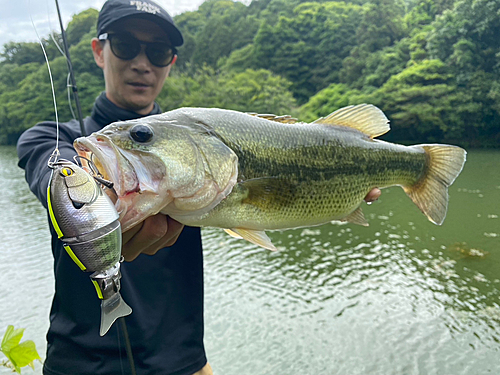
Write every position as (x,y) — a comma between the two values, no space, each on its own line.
(71,74)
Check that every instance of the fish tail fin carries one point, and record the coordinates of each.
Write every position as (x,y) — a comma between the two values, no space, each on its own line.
(430,193)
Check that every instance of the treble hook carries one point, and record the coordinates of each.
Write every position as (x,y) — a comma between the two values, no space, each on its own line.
(95,171)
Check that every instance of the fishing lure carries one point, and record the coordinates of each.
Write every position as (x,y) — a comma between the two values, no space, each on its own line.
(85,219)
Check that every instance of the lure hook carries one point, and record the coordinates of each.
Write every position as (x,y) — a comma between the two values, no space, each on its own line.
(95,171)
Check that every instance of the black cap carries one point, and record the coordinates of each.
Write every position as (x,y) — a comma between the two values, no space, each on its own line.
(114,10)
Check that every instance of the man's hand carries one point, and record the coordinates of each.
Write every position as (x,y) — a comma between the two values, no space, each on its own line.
(373,195)
(149,236)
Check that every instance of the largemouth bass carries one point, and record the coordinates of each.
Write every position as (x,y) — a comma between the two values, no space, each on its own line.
(248,174)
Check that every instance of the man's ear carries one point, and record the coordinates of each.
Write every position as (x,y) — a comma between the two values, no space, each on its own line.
(97,50)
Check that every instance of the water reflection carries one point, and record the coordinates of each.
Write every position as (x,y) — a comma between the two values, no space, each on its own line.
(402,296)
(25,257)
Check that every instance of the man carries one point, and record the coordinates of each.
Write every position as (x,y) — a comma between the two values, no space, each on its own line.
(135,49)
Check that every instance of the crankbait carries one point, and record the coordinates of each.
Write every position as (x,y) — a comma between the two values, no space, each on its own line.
(86,220)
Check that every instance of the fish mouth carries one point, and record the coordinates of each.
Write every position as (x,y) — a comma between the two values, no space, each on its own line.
(110,163)
(115,167)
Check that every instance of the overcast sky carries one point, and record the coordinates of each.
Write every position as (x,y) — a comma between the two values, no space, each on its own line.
(15,22)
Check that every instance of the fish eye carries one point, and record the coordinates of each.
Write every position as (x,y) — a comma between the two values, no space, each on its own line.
(141,133)
(65,172)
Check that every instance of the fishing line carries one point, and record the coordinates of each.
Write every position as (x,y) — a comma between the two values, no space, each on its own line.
(55,153)
(68,85)
(72,76)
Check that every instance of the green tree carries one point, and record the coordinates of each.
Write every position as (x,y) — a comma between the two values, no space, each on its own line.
(381,26)
(81,24)
(227,28)
(20,53)
(424,104)
(309,47)
(248,91)
(467,36)
(331,98)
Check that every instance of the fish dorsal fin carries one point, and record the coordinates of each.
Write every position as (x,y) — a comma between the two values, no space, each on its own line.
(366,118)
(257,237)
(285,119)
(356,217)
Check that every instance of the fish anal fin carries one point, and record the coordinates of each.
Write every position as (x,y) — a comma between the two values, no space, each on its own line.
(233,234)
(430,193)
(256,237)
(356,217)
(366,118)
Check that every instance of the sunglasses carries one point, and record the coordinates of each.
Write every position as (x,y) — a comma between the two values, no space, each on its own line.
(126,47)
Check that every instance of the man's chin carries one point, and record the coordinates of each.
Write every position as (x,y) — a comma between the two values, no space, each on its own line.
(140,105)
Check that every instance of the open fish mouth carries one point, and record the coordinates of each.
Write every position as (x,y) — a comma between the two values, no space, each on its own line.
(110,162)
(135,188)
(116,168)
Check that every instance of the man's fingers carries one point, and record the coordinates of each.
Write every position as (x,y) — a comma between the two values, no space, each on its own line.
(126,236)
(151,230)
(174,231)
(153,234)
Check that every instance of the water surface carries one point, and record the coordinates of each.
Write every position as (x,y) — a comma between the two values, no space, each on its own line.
(402,296)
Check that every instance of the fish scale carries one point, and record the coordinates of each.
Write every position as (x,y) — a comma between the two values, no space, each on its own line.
(316,172)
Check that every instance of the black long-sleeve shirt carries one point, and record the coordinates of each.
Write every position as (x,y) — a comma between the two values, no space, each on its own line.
(165,291)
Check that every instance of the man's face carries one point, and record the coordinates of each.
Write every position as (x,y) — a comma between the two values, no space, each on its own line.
(132,84)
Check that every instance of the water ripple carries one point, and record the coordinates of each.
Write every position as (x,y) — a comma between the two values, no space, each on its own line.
(399,297)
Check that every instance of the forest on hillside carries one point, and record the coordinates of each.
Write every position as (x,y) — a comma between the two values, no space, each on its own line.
(433,66)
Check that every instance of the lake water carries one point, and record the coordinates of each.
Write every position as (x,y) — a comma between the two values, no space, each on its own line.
(402,296)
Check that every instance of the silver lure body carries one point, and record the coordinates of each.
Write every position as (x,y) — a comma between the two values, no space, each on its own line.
(86,220)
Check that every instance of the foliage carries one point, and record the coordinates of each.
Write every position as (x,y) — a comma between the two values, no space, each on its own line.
(307,47)
(327,100)
(248,91)
(19,354)
(80,25)
(26,94)
(432,65)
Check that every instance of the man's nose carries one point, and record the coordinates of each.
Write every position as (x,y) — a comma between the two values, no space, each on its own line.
(141,62)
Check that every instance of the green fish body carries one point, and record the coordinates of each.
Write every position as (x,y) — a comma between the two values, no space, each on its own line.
(255,174)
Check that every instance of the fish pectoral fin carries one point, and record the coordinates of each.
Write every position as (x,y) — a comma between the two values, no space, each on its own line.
(262,191)
(257,237)
(356,217)
(233,234)
(366,118)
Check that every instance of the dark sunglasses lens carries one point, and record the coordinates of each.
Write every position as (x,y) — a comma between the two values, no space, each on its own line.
(160,54)
(125,48)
